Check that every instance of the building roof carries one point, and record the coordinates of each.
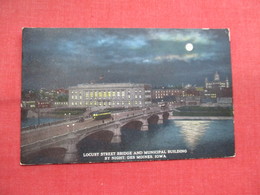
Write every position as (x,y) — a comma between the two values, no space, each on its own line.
(107,85)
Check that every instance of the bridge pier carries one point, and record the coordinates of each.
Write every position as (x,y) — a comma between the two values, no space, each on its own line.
(117,134)
(145,126)
(160,121)
(71,153)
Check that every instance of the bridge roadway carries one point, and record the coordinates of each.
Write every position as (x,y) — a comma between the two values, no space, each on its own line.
(33,140)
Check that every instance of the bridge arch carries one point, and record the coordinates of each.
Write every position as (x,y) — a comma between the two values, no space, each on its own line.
(97,141)
(133,124)
(153,119)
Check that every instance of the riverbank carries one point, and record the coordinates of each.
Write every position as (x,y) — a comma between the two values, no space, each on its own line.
(200,111)
(201,118)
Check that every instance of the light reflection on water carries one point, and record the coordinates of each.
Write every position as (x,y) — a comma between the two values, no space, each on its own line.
(201,138)
(192,131)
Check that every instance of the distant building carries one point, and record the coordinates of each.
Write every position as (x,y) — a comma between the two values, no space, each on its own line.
(60,104)
(216,83)
(224,101)
(28,104)
(43,104)
(165,92)
(189,96)
(192,100)
(110,95)
(168,95)
(216,89)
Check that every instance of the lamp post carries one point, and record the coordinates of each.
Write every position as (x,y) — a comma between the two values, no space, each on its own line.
(69,116)
(73,125)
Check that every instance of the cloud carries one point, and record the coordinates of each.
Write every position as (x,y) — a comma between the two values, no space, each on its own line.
(194,36)
(186,57)
(72,56)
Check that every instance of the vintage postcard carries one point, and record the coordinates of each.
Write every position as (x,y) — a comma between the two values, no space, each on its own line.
(117,94)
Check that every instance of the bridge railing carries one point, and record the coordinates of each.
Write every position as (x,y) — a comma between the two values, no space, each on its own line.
(49,124)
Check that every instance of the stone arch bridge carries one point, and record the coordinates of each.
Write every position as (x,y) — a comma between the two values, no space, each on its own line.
(63,147)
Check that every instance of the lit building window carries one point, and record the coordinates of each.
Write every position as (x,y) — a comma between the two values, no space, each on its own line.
(72,97)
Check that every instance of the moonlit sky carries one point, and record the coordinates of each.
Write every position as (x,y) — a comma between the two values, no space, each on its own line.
(55,58)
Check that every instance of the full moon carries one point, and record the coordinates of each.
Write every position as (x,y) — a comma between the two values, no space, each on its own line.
(189,47)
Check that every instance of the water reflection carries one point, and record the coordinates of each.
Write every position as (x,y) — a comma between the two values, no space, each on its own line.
(192,131)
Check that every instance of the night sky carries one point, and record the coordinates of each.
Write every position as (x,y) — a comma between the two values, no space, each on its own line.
(59,58)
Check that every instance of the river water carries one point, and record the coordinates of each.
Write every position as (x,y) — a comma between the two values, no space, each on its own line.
(201,138)
(194,138)
(34,121)
(198,138)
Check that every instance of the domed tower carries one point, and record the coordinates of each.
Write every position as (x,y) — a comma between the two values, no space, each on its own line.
(216,77)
